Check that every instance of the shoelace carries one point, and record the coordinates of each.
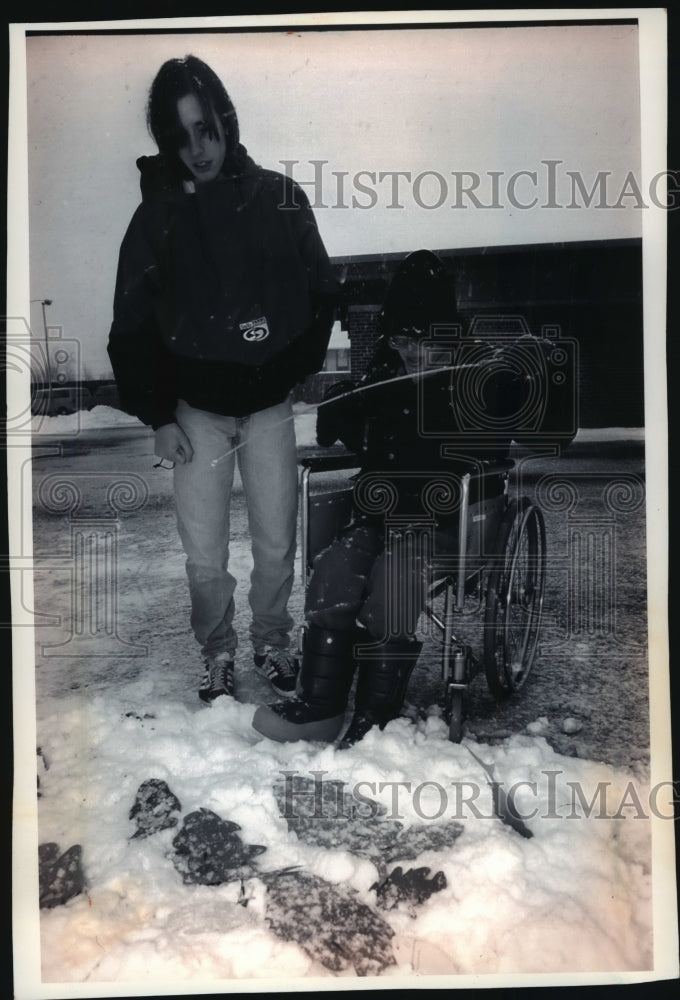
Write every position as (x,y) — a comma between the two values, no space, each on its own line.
(284,662)
(220,676)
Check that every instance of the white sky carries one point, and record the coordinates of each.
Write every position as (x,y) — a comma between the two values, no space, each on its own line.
(433,101)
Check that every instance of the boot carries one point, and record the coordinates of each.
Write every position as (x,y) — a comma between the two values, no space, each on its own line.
(318,709)
(381,687)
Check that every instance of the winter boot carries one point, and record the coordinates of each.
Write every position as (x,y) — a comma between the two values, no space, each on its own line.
(318,710)
(381,687)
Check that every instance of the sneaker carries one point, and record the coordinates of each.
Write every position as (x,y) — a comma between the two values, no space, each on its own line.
(280,667)
(218,679)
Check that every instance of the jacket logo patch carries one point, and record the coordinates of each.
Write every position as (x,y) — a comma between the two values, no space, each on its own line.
(255,329)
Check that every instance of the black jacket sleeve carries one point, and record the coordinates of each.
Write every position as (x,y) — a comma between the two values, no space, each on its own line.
(143,368)
(323,287)
(341,416)
(345,413)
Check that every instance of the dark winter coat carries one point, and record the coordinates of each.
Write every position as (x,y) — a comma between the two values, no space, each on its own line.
(405,433)
(224,296)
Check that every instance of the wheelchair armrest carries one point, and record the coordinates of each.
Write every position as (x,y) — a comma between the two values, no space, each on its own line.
(330,463)
(310,463)
(492,468)
(476,465)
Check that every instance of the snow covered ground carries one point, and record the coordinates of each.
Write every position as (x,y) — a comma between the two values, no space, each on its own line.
(567,892)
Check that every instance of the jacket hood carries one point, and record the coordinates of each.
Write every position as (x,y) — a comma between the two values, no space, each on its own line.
(421,293)
(162,179)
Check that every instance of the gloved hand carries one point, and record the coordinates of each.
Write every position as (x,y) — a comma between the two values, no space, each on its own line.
(333,414)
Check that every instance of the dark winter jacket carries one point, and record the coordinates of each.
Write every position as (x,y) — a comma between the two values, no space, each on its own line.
(224,296)
(392,421)
(404,432)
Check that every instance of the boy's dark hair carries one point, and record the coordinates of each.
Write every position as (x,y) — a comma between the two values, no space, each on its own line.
(176,79)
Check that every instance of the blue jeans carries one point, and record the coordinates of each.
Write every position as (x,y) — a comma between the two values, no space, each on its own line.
(263,445)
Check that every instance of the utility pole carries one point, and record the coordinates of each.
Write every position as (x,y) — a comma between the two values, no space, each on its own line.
(44,303)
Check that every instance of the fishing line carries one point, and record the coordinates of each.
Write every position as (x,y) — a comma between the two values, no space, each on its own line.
(354,391)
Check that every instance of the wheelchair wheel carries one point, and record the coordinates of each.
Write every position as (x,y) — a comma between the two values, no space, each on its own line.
(514,598)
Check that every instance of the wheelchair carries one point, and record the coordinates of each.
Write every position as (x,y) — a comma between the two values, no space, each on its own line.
(483,595)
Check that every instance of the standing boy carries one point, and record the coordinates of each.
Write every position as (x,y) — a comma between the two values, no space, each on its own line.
(223,302)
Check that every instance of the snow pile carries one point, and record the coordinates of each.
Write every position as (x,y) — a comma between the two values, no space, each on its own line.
(573,897)
(71,423)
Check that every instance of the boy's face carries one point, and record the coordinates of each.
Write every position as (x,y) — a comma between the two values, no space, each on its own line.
(205,147)
(415,353)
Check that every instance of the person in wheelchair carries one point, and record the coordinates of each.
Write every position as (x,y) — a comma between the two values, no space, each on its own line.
(367,588)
